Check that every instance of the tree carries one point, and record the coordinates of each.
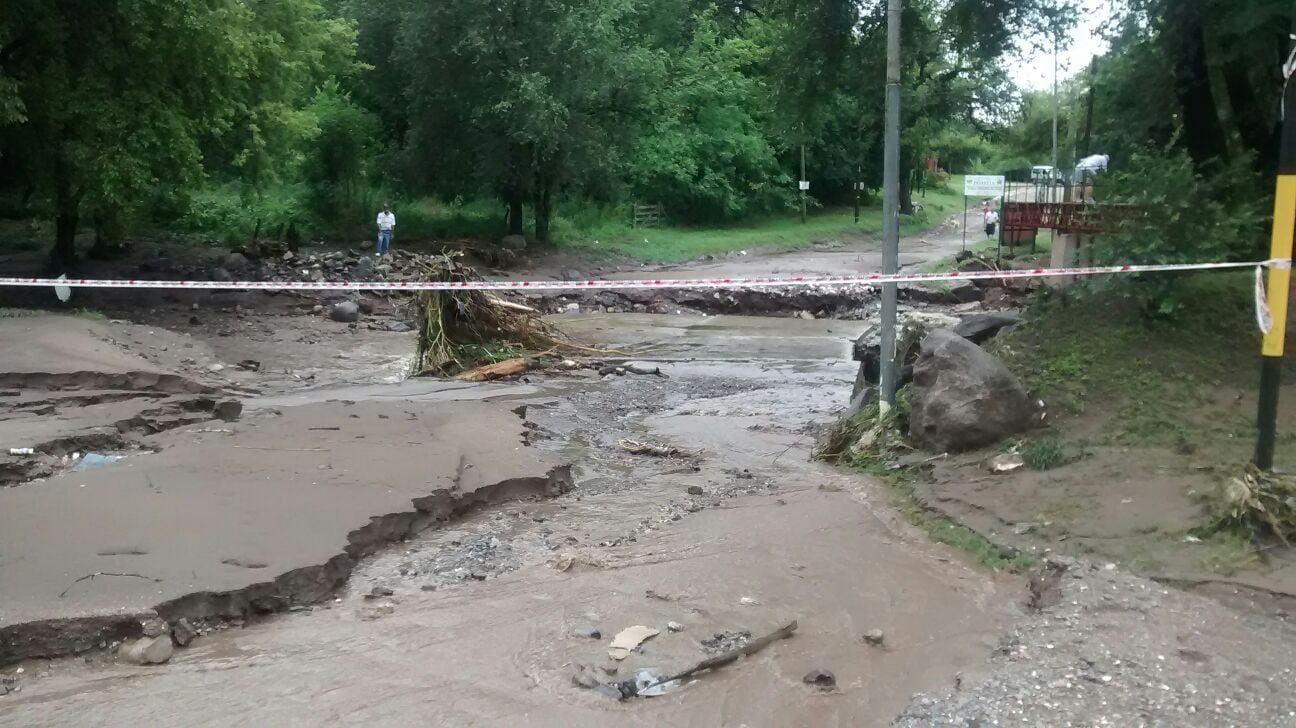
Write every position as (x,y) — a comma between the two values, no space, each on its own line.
(520,97)
(340,154)
(116,99)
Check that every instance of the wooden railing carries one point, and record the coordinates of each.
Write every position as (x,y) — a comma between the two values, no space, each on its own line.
(648,216)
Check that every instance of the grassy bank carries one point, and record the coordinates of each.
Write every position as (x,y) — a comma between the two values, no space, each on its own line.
(228,216)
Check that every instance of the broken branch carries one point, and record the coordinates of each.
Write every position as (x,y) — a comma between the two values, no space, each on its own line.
(90,577)
(721,660)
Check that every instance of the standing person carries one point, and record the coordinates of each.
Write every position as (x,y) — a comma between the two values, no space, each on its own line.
(386,225)
(991,222)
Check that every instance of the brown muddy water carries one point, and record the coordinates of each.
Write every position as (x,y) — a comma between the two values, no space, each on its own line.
(488,619)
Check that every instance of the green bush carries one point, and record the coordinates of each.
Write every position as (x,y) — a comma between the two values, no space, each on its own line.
(1044,453)
(1184,217)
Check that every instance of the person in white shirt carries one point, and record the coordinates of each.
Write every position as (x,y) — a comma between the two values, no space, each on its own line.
(991,222)
(386,225)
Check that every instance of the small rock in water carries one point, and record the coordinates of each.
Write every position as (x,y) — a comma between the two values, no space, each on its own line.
(154,627)
(675,626)
(587,631)
(183,633)
(147,650)
(749,601)
(695,490)
(228,411)
(345,312)
(822,679)
(875,637)
(381,591)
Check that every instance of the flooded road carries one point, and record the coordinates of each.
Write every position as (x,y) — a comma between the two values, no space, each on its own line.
(489,617)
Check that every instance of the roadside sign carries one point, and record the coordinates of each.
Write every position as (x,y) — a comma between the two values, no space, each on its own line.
(983,185)
(805,185)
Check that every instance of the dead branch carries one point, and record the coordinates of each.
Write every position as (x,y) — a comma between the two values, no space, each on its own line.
(721,660)
(91,577)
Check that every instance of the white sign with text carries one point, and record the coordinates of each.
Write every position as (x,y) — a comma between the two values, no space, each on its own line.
(983,185)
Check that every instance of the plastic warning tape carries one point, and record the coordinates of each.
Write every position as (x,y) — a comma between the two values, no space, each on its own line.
(870,279)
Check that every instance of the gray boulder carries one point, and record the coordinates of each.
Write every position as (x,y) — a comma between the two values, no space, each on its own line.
(364,270)
(346,312)
(962,397)
(147,650)
(514,242)
(235,261)
(982,327)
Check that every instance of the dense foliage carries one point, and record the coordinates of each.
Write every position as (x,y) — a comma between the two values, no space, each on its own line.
(259,118)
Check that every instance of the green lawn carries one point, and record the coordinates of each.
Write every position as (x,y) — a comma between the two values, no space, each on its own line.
(677,244)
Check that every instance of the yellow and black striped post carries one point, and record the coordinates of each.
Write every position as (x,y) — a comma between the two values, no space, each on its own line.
(1284,225)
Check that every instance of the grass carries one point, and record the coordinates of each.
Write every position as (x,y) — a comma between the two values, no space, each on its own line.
(876,460)
(1093,348)
(1044,453)
(678,244)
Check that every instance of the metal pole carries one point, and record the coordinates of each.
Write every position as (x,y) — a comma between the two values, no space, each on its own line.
(1055,104)
(1280,247)
(964,223)
(802,185)
(891,206)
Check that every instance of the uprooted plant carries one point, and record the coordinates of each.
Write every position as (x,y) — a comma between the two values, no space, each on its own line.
(869,438)
(460,330)
(1261,503)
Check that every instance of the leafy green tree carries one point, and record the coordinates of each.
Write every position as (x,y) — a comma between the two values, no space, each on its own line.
(109,101)
(340,155)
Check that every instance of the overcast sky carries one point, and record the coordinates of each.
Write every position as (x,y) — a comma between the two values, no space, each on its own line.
(1033,69)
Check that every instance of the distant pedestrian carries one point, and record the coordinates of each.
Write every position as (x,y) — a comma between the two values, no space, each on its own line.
(991,222)
(386,226)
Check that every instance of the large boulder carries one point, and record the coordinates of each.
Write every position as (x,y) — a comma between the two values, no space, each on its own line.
(514,242)
(345,312)
(962,397)
(982,327)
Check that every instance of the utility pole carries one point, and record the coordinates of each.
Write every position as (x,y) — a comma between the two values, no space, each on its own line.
(891,207)
(1280,248)
(803,181)
(859,189)
(1055,104)
(1088,128)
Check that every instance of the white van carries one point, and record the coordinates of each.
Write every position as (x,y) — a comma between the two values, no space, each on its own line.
(1044,173)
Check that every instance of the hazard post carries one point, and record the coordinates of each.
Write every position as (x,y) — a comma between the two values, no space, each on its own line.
(1284,224)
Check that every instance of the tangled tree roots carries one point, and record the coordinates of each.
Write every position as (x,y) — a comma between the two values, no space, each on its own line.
(1261,502)
(461,330)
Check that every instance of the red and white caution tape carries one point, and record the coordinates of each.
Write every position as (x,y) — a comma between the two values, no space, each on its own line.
(689,283)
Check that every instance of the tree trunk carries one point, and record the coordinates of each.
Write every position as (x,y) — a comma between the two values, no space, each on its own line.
(515,221)
(1203,133)
(543,205)
(109,239)
(1253,125)
(67,204)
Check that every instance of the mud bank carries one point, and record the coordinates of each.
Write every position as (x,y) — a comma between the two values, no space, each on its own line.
(238,519)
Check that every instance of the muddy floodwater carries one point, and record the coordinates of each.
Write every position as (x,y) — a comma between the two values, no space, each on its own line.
(486,620)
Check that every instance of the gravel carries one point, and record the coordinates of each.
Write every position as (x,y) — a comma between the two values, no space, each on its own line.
(1121,650)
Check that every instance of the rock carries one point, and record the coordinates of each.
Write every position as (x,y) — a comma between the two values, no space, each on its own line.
(366,306)
(805,315)
(967,291)
(317,309)
(235,261)
(514,242)
(572,275)
(675,626)
(587,631)
(584,679)
(822,679)
(154,627)
(216,368)
(345,312)
(397,327)
(228,411)
(364,270)
(875,637)
(1005,463)
(288,255)
(317,275)
(570,308)
(221,275)
(695,490)
(962,397)
(381,591)
(147,650)
(183,632)
(982,327)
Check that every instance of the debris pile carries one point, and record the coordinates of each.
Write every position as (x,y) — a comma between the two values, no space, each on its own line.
(1262,503)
